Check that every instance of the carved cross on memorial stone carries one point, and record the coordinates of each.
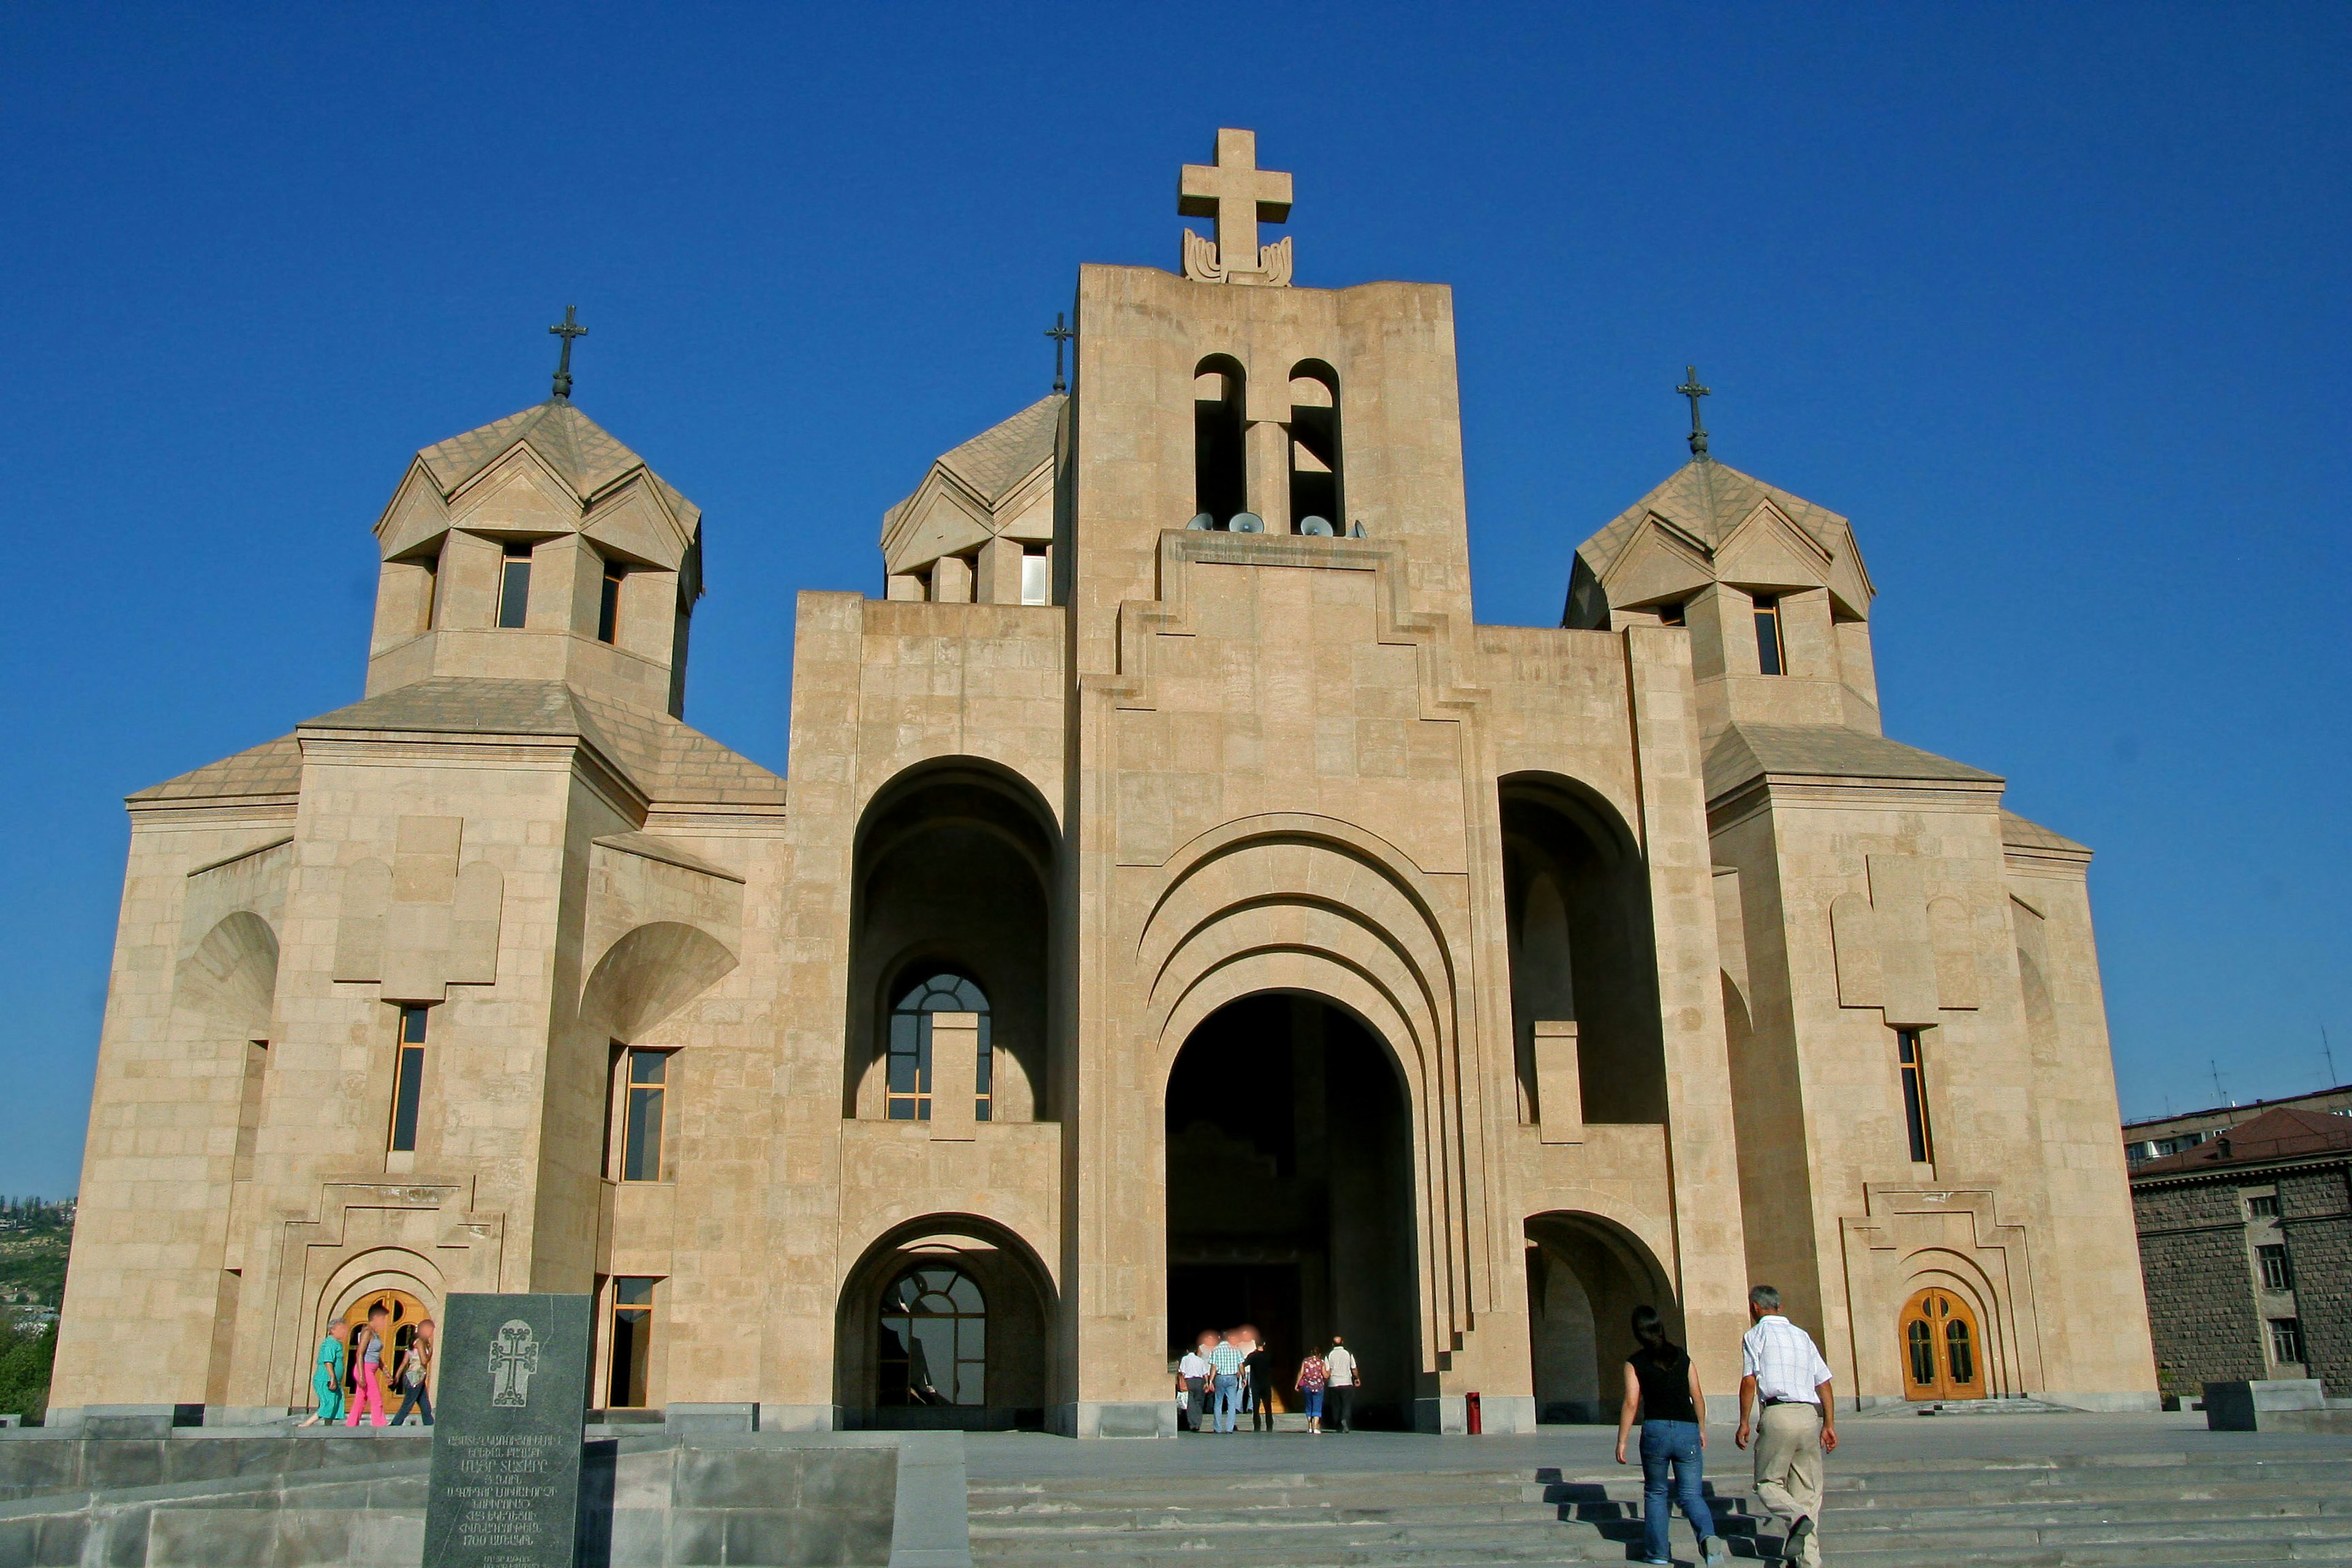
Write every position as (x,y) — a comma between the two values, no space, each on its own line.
(1237,195)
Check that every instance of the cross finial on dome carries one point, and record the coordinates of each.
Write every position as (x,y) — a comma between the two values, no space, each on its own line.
(1691,389)
(1237,195)
(567,329)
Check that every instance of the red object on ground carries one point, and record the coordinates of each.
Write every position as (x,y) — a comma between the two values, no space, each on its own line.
(1470,1410)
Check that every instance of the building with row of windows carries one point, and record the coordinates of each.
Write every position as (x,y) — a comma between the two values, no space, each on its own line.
(2153,1137)
(2245,1237)
(1182,913)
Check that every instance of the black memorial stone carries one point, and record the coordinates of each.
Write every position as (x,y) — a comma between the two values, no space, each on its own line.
(505,1489)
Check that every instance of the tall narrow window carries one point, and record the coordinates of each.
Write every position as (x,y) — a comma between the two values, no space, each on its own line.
(514,582)
(432,564)
(2286,1339)
(1914,1095)
(1037,576)
(1769,651)
(909,1093)
(641,1146)
(608,605)
(408,1080)
(633,1342)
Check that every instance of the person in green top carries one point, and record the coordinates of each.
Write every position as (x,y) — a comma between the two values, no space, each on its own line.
(327,1380)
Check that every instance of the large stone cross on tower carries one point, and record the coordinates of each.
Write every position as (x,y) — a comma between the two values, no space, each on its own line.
(1238,195)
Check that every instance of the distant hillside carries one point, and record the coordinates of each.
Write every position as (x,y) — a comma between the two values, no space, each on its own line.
(35,1237)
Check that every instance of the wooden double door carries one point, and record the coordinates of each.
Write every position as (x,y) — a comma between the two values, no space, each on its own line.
(1943,1348)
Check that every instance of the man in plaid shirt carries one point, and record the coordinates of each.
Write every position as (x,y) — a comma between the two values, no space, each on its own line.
(1226,1363)
(1796,1426)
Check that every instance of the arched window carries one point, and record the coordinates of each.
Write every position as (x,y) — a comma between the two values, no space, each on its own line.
(934,1337)
(909,1089)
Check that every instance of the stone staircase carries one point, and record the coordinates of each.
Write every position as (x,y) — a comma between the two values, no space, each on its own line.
(2154,1509)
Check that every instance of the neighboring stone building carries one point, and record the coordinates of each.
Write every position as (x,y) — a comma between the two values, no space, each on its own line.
(1181,912)
(2246,1241)
(2156,1136)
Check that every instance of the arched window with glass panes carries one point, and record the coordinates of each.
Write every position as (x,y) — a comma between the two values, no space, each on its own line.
(934,1334)
(935,991)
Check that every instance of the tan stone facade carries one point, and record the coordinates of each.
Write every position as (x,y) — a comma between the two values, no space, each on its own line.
(1181,911)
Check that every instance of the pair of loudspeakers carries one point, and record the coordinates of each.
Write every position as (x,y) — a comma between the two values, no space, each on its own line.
(1250,523)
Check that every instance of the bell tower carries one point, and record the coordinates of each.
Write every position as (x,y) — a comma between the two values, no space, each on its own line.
(538,547)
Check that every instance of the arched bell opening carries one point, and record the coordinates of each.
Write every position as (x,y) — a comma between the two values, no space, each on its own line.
(1219,454)
(953,899)
(1583,954)
(1290,1194)
(945,1324)
(1585,1277)
(1315,487)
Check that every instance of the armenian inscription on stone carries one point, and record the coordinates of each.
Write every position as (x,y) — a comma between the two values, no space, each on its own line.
(505,1490)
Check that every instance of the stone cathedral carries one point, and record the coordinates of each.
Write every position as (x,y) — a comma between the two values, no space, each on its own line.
(1179,911)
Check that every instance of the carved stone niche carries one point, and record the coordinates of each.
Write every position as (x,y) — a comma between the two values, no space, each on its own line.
(1902,951)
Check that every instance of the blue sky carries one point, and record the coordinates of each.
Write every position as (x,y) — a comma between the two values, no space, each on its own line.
(2049,301)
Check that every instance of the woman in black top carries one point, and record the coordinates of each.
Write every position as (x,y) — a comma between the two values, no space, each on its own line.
(1661,1382)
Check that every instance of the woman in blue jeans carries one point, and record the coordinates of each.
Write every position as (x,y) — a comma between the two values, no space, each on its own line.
(1662,1384)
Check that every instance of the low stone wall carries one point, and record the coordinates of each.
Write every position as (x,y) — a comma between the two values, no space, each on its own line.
(357,1499)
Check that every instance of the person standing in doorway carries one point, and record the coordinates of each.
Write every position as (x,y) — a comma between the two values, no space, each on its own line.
(368,1395)
(1193,1374)
(1257,1374)
(415,1373)
(1663,1383)
(1225,1373)
(327,1381)
(1340,1364)
(1787,1405)
(1312,1374)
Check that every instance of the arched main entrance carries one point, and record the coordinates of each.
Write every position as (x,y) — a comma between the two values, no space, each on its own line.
(1290,1183)
(1943,1347)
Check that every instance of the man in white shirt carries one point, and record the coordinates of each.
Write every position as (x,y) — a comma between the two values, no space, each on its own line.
(1340,1389)
(1193,1374)
(1795,1424)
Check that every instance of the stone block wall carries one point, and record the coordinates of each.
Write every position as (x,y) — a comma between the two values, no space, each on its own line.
(2200,1288)
(2316,1217)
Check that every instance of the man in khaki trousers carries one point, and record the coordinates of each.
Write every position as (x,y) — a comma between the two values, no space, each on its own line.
(1795,1424)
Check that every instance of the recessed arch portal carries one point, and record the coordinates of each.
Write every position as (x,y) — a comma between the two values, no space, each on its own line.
(945,1322)
(953,874)
(1290,1191)
(1585,1276)
(1576,893)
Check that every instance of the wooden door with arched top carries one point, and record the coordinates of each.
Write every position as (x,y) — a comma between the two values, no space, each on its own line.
(405,1312)
(1942,1348)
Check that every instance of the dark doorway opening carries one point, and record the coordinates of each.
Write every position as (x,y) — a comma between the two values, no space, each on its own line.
(1290,1181)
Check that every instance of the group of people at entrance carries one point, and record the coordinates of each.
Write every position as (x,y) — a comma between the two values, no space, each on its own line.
(1223,1374)
(1786,1411)
(357,1370)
